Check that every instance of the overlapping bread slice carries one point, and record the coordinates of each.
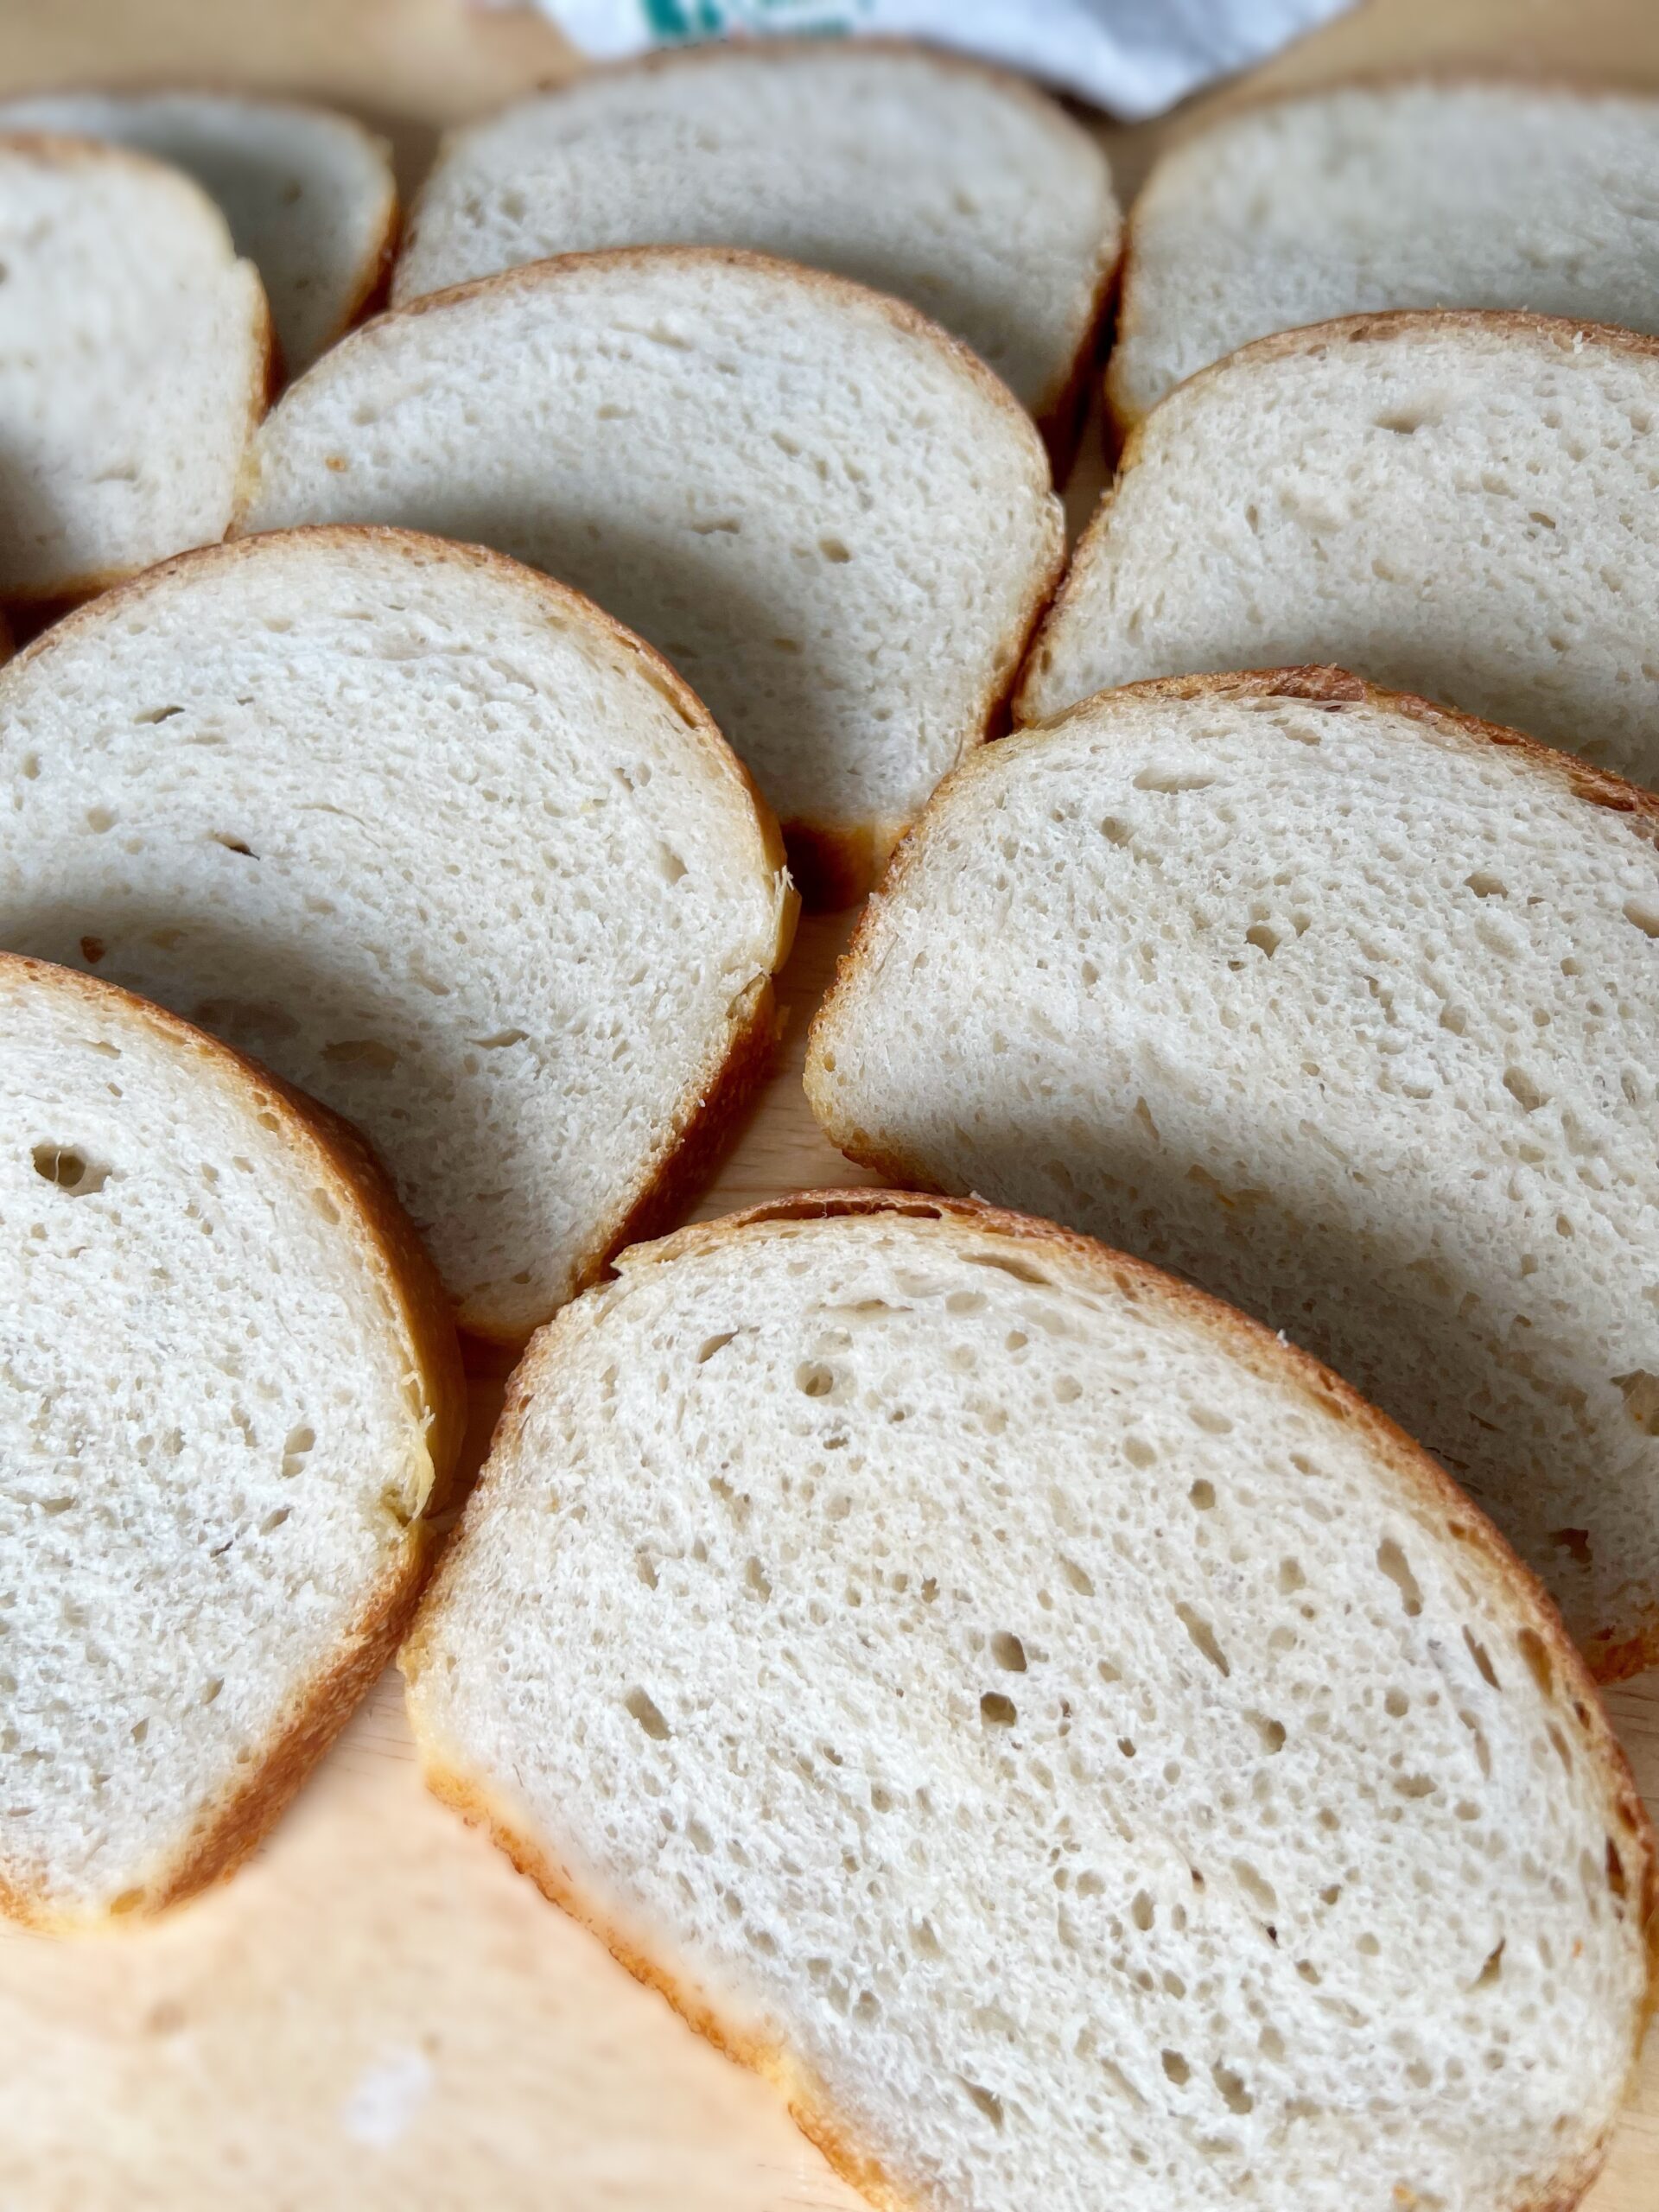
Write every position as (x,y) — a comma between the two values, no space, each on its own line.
(134,356)
(1414,194)
(439,842)
(1060,1734)
(1462,505)
(308,195)
(957,188)
(229,1392)
(1344,1007)
(832,519)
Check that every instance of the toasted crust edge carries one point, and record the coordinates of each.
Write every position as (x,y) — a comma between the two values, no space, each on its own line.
(1122,419)
(716,1095)
(1425,1490)
(1058,411)
(227,1830)
(1613,1655)
(1402,324)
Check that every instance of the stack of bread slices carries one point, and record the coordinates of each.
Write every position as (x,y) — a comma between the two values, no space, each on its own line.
(1093,1721)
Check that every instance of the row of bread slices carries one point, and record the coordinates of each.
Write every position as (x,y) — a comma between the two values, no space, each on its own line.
(904,1629)
(833,523)
(1051,1726)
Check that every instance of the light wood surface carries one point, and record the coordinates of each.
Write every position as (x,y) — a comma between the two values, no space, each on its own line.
(378,2012)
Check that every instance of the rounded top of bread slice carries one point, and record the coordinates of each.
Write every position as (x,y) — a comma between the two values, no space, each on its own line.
(438,841)
(134,355)
(829,517)
(1341,1005)
(1458,504)
(1364,197)
(231,1390)
(960,188)
(1051,1726)
(308,195)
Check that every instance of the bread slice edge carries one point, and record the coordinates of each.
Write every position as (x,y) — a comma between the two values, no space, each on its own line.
(224,1832)
(1424,1487)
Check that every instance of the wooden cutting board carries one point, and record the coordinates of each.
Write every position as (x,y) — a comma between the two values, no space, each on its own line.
(378,2012)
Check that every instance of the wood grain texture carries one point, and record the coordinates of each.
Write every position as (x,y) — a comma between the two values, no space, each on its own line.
(377,2015)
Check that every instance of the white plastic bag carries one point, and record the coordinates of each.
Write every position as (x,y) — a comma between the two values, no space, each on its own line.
(1134,57)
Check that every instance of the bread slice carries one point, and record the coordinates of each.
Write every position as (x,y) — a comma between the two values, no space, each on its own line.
(1461,505)
(439,842)
(230,1397)
(134,359)
(960,188)
(1060,1734)
(829,517)
(308,195)
(1342,1005)
(1416,194)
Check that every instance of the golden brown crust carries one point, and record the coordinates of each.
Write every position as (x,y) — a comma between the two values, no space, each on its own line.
(1423,1488)
(417,1306)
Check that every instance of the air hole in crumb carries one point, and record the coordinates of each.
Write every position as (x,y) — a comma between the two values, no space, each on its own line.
(1203,1636)
(1234,2094)
(1493,1966)
(1645,917)
(1485,886)
(1395,1564)
(1143,1911)
(1540,1666)
(1396,1704)
(1640,1391)
(1291,1578)
(1176,2066)
(646,1713)
(1521,1087)
(1076,1576)
(1271,1732)
(1616,1881)
(987,2101)
(814,1380)
(1008,1651)
(1574,1541)
(1265,938)
(70,1170)
(234,845)
(274,1521)
(1203,1495)
(997,1711)
(712,1344)
(212,1690)
(294,1451)
(1481,1657)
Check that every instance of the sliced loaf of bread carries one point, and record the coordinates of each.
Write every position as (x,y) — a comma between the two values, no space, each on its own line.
(833,520)
(1344,1007)
(1060,1734)
(308,195)
(229,1394)
(134,357)
(957,188)
(1461,504)
(1390,195)
(439,842)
